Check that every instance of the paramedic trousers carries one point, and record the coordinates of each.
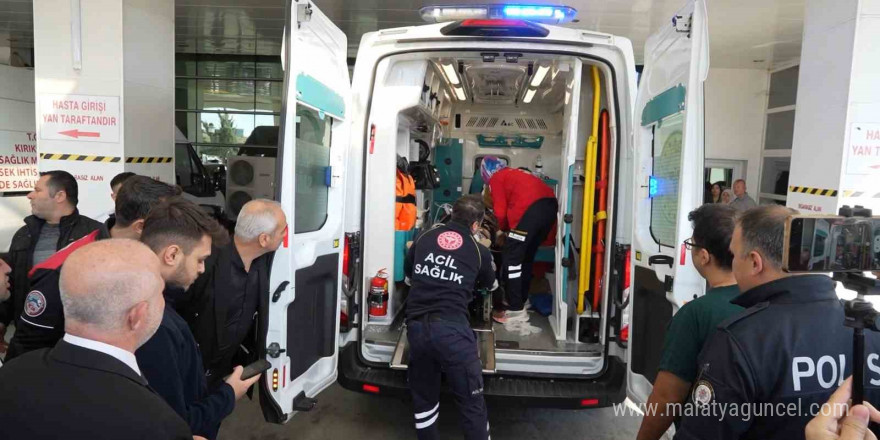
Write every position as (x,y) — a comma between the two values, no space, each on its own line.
(438,345)
(520,247)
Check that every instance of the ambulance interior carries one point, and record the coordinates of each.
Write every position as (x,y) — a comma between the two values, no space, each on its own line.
(534,111)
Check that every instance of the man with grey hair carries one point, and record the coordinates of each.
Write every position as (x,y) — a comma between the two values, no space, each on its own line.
(224,302)
(112,296)
(742,201)
(788,349)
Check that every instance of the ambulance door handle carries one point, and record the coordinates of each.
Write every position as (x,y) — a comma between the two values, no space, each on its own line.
(661,259)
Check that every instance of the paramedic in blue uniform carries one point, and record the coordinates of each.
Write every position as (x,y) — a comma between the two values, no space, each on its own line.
(445,266)
(766,371)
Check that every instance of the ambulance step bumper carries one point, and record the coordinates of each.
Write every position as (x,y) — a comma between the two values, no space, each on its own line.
(605,390)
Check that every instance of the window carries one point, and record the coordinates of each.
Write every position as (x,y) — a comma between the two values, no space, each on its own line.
(222,100)
(778,136)
(668,138)
(311,169)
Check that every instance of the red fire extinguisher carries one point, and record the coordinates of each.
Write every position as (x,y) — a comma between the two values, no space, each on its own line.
(378,297)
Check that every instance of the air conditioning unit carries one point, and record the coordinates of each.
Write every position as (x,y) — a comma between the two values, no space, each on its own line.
(248,178)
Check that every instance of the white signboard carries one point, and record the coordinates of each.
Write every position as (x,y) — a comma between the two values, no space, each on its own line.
(863,151)
(79,118)
(18,161)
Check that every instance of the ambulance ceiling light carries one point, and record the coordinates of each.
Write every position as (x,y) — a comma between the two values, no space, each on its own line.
(539,76)
(537,13)
(529,95)
(459,93)
(451,74)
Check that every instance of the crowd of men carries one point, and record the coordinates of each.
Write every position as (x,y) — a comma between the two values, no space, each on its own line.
(142,323)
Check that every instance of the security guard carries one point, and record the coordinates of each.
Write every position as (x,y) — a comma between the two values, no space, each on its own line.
(444,266)
(766,371)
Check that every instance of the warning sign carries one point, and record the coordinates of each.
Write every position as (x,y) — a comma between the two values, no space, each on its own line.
(79,117)
(863,151)
(18,161)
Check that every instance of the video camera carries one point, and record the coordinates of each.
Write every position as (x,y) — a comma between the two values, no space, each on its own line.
(847,245)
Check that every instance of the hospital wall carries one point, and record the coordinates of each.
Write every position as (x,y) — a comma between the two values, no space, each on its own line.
(16,114)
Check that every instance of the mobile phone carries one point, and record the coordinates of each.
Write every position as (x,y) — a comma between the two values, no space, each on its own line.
(255,369)
(831,244)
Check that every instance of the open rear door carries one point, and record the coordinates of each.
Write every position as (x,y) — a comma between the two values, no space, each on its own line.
(303,308)
(669,171)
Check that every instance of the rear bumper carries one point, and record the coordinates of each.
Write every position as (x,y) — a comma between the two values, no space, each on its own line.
(602,391)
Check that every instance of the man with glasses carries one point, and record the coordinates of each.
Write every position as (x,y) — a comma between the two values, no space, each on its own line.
(710,252)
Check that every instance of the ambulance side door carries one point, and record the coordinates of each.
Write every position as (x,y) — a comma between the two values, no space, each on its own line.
(669,171)
(300,332)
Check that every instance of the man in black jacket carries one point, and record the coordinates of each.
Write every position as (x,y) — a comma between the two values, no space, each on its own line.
(55,222)
(224,302)
(181,234)
(89,385)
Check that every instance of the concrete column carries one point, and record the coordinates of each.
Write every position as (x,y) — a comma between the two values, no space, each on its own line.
(104,83)
(836,146)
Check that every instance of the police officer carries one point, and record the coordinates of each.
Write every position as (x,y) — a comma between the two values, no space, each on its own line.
(444,266)
(766,371)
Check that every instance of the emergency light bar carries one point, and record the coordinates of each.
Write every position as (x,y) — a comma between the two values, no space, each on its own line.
(536,13)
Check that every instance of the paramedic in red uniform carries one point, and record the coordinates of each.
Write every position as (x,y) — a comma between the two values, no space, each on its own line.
(526,209)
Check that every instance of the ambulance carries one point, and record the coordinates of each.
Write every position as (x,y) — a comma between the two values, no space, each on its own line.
(623,154)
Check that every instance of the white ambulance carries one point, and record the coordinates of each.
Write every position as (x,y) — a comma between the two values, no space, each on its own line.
(498,80)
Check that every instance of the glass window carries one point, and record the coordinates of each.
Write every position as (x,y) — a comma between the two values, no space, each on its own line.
(783,87)
(780,131)
(183,166)
(271,70)
(668,138)
(216,94)
(268,96)
(774,175)
(311,163)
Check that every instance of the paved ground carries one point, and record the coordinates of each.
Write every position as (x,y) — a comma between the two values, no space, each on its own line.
(344,415)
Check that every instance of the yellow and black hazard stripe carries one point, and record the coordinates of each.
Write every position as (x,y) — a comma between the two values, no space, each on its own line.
(861,194)
(148,159)
(79,157)
(813,191)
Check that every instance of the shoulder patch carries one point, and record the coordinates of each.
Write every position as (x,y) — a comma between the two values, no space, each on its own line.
(34,304)
(744,314)
(450,240)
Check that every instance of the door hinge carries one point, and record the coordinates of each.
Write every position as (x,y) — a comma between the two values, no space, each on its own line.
(682,25)
(303,13)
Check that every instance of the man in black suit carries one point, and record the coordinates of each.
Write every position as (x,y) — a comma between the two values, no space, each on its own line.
(89,386)
(225,301)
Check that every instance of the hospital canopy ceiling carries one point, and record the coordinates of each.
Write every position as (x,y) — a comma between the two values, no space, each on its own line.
(743,33)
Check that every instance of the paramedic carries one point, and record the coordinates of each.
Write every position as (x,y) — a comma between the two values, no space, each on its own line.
(742,201)
(766,371)
(181,234)
(223,304)
(55,223)
(695,321)
(134,199)
(444,266)
(526,209)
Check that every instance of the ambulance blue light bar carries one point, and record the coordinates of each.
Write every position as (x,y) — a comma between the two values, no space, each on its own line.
(535,13)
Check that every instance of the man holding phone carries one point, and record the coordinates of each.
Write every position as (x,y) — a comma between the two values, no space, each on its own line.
(181,235)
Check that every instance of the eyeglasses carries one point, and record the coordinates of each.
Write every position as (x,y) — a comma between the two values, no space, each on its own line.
(690,244)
